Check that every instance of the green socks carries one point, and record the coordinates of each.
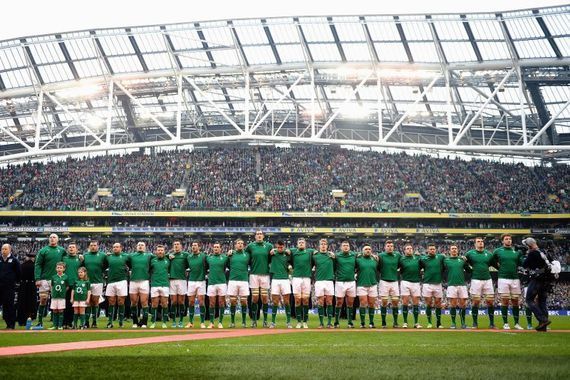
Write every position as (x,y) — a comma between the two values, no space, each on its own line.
(491,312)
(474,313)
(383,314)
(191,312)
(299,313)
(274,313)
(349,314)
(330,313)
(243,313)
(371,311)
(75,319)
(321,314)
(438,316)
(174,311)
(395,315)
(288,313)
(516,313)
(221,317)
(462,315)
(337,315)
(505,314)
(453,312)
(416,309)
(202,313)
(405,313)
(428,313)
(95,313)
(362,312)
(265,308)
(111,313)
(305,313)
(528,316)
(121,313)
(254,309)
(41,311)
(233,313)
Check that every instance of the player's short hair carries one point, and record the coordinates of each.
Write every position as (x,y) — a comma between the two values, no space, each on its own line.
(238,240)
(479,238)
(176,241)
(454,245)
(325,240)
(160,246)
(93,241)
(259,231)
(408,244)
(71,243)
(60,264)
(345,242)
(301,239)
(503,236)
(197,242)
(217,243)
(279,242)
(388,242)
(366,245)
(83,269)
(431,245)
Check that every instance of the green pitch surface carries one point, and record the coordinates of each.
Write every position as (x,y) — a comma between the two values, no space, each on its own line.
(323,354)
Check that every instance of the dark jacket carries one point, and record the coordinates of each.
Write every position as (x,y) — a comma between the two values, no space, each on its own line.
(9,270)
(536,266)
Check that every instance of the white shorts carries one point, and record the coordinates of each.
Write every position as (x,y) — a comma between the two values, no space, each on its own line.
(410,289)
(457,291)
(257,281)
(80,304)
(389,289)
(96,290)
(217,290)
(482,288)
(180,287)
(57,304)
(238,288)
(45,286)
(509,287)
(432,290)
(115,289)
(137,287)
(159,291)
(196,288)
(345,288)
(370,291)
(324,288)
(301,285)
(279,287)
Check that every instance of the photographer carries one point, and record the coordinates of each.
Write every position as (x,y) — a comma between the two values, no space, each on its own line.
(538,266)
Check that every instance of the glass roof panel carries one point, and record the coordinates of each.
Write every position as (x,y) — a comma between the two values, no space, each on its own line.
(47,52)
(563,44)
(324,52)
(524,28)
(194,59)
(126,64)
(226,57)
(419,31)
(423,51)
(383,31)
(17,78)
(317,33)
(350,32)
(55,73)
(290,53)
(283,33)
(81,48)
(12,58)
(257,55)
(151,42)
(391,52)
(158,61)
(89,68)
(557,24)
(356,52)
(494,50)
(185,40)
(458,51)
(450,30)
(534,49)
(116,45)
(486,30)
(218,37)
(251,35)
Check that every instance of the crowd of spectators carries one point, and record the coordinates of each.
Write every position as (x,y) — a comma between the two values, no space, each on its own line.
(291,179)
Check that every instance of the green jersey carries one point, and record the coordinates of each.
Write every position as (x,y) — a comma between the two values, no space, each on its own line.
(239,263)
(367,269)
(480,262)
(159,268)
(95,263)
(279,267)
(324,266)
(388,263)
(217,269)
(118,270)
(72,264)
(301,260)
(455,267)
(410,268)
(178,265)
(345,266)
(197,264)
(509,260)
(59,286)
(80,290)
(140,265)
(259,253)
(46,259)
(433,268)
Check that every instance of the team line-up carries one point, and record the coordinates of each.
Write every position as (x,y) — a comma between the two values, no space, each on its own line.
(272,273)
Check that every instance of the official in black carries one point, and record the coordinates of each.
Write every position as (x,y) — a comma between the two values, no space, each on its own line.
(9,277)
(28,292)
(537,265)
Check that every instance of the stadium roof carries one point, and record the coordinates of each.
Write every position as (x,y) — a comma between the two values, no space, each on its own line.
(476,82)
